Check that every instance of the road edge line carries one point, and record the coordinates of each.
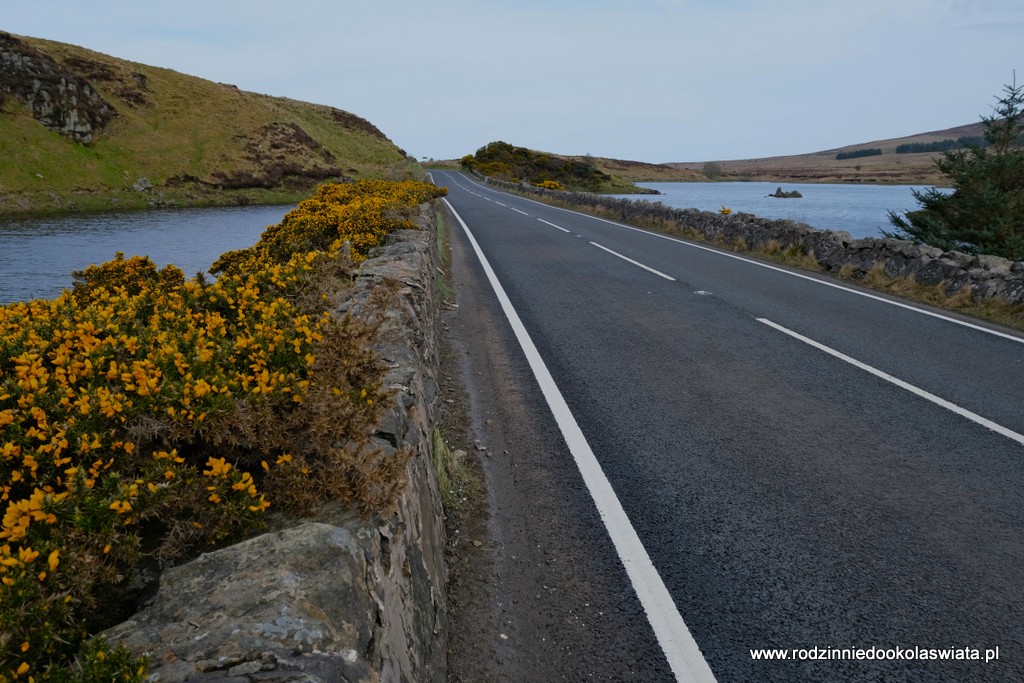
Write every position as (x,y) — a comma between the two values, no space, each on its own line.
(677,643)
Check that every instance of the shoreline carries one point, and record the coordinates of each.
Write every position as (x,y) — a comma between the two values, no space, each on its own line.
(49,203)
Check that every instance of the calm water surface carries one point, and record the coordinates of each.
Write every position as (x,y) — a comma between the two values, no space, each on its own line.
(37,255)
(861,210)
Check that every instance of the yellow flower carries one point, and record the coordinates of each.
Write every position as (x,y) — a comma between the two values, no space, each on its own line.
(201,388)
(244,483)
(219,467)
(53,560)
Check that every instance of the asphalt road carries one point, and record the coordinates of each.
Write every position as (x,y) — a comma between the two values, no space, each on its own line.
(808,468)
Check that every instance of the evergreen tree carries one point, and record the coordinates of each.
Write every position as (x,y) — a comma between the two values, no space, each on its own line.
(985,212)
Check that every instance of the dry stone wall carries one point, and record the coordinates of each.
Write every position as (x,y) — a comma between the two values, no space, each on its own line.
(988,277)
(339,598)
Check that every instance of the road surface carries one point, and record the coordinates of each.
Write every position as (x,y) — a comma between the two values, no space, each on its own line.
(811,468)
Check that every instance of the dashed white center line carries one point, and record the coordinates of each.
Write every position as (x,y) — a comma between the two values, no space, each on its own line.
(635,263)
(553,225)
(499,203)
(518,211)
(963,412)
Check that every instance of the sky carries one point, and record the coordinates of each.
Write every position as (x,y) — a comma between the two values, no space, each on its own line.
(648,80)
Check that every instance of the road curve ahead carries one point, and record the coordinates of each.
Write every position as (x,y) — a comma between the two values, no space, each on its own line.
(828,483)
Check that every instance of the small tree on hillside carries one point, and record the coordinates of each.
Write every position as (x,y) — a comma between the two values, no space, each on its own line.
(985,212)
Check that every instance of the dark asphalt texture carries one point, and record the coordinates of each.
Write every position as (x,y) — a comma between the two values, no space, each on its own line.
(787,499)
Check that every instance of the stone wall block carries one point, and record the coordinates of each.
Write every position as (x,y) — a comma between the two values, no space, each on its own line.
(936,271)
(990,262)
(1014,290)
(961,259)
(957,282)
(898,266)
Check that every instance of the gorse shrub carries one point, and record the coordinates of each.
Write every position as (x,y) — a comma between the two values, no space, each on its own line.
(356,216)
(506,162)
(144,417)
(550,185)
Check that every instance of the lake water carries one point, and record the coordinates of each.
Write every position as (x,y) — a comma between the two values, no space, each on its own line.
(861,210)
(37,255)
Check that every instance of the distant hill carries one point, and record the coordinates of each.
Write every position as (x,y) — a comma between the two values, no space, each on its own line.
(890,161)
(888,166)
(581,173)
(640,171)
(83,130)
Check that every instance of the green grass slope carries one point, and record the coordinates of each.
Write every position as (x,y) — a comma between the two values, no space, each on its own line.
(194,142)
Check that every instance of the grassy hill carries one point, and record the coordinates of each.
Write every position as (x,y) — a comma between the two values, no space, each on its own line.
(122,134)
(887,167)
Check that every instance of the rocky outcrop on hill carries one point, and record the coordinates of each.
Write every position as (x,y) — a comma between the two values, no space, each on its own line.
(339,597)
(59,98)
(279,152)
(984,276)
(353,122)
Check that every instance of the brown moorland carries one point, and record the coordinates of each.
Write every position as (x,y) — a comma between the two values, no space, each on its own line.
(823,167)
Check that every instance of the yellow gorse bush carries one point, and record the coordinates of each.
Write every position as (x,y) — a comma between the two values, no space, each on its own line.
(351,217)
(143,414)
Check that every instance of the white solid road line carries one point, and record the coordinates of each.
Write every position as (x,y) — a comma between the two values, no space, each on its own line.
(974,417)
(891,302)
(635,263)
(681,650)
(553,225)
